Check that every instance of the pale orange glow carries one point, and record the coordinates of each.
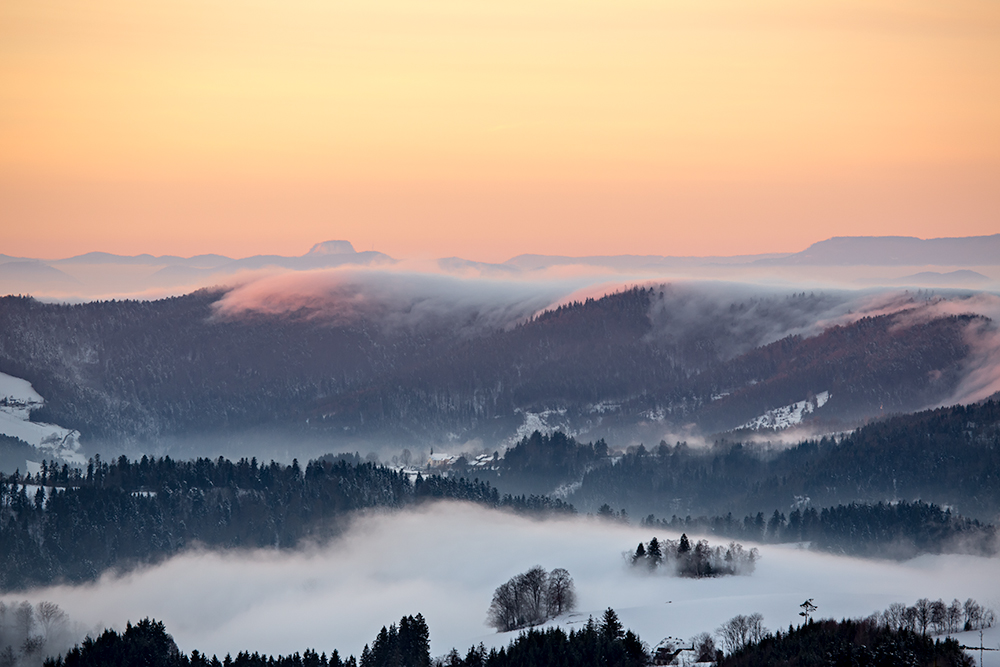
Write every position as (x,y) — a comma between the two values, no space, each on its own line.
(486,129)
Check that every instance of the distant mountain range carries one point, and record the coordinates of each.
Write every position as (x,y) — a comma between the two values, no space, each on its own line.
(895,251)
(100,274)
(839,251)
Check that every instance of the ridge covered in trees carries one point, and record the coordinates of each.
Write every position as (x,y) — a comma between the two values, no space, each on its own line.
(74,525)
(140,371)
(947,456)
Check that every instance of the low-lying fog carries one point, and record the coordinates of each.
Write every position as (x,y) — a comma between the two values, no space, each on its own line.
(445,560)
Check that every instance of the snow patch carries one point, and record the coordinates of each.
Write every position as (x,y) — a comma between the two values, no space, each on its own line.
(789,415)
(17,399)
(545,422)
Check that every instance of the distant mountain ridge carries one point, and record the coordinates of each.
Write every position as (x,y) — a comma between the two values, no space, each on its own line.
(837,251)
(98,273)
(101,274)
(896,251)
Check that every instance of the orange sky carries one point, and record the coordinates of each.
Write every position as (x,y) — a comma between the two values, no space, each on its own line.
(487,128)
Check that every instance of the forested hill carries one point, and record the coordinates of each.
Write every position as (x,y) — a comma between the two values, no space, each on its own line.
(949,456)
(73,525)
(946,456)
(131,371)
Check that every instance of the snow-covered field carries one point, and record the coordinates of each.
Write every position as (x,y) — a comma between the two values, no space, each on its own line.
(445,560)
(17,399)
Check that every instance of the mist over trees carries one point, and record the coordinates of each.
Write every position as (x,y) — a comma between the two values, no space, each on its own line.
(948,456)
(29,633)
(883,530)
(684,559)
(73,525)
(140,371)
(531,598)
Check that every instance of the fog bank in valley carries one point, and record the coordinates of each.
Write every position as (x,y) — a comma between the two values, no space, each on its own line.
(445,560)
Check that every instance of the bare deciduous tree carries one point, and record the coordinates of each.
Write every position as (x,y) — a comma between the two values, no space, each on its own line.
(924,614)
(740,631)
(561,596)
(533,587)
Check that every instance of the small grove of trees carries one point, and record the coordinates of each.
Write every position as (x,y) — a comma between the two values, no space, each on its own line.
(935,616)
(30,632)
(531,598)
(682,558)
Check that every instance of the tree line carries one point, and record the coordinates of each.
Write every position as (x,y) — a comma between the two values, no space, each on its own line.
(881,530)
(936,616)
(847,642)
(73,525)
(405,644)
(899,635)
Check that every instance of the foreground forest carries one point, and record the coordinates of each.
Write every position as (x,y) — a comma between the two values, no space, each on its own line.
(863,643)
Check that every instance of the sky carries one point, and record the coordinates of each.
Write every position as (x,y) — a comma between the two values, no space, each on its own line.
(492,128)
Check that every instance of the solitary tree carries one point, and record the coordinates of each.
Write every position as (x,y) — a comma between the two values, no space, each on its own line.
(924,609)
(532,587)
(561,596)
(807,609)
(611,627)
(640,554)
(504,613)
